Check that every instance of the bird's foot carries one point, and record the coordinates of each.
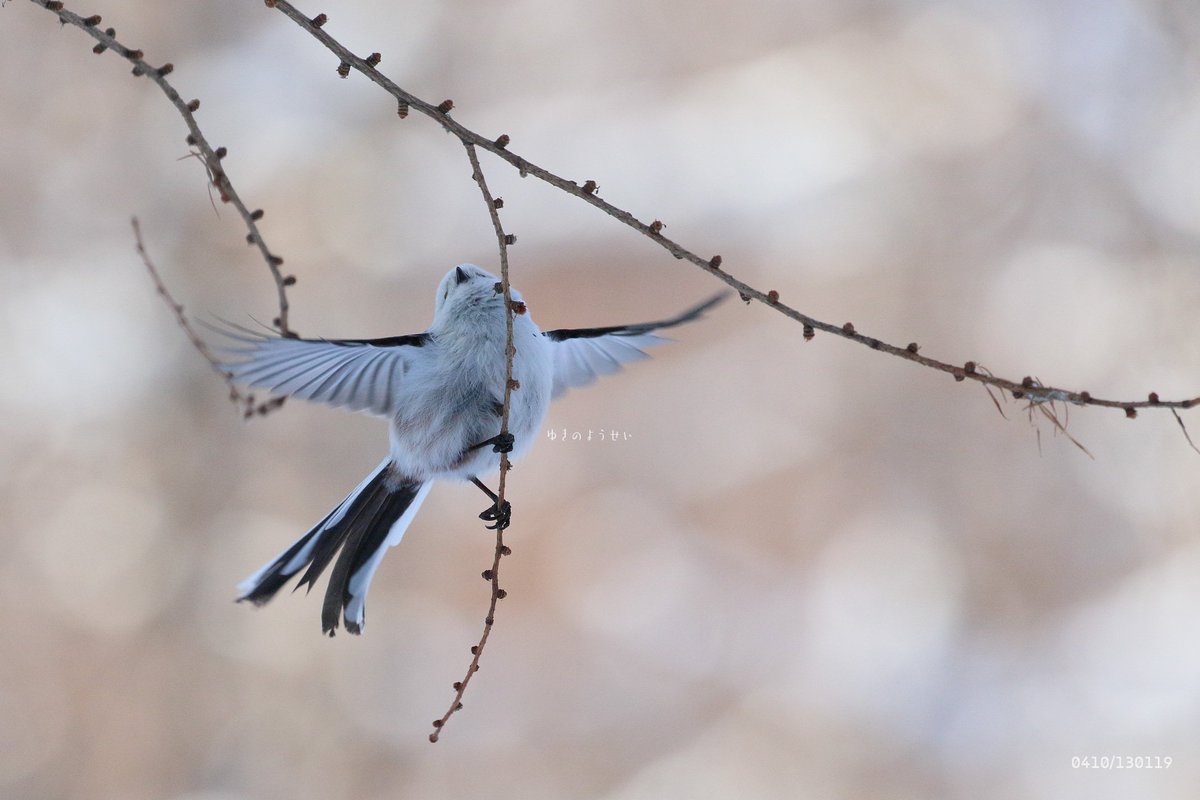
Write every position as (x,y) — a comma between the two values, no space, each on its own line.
(500,514)
(501,443)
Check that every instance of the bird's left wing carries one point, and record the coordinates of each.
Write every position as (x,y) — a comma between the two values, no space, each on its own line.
(358,374)
(583,354)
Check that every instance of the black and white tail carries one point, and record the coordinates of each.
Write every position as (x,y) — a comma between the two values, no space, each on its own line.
(372,518)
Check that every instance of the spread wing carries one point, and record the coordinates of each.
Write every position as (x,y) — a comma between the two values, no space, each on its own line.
(358,374)
(583,354)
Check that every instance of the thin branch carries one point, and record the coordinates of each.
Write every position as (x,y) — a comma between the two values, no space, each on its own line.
(180,317)
(210,156)
(1183,428)
(493,574)
(1023,388)
(246,401)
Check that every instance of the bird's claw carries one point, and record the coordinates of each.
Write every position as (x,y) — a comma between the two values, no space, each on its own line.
(500,514)
(503,443)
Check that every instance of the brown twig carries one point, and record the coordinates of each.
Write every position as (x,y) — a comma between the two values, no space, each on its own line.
(248,404)
(712,265)
(493,574)
(211,157)
(1183,428)
(180,317)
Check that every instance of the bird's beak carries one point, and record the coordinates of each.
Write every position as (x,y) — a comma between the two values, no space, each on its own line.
(459,275)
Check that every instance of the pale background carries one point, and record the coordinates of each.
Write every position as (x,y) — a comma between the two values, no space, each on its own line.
(811,571)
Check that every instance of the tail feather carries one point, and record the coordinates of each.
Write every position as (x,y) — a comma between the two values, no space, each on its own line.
(367,562)
(262,585)
(371,518)
(361,509)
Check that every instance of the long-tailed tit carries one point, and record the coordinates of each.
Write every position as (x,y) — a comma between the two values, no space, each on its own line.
(442,392)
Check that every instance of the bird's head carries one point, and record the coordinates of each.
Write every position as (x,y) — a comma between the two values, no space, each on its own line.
(468,292)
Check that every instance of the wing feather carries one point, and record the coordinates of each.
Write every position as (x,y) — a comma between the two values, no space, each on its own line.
(359,374)
(581,355)
(267,371)
(290,378)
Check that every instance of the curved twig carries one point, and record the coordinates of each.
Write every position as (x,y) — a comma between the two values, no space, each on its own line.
(492,575)
(211,157)
(1024,388)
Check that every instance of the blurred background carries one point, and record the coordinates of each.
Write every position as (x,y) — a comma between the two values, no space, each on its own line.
(801,570)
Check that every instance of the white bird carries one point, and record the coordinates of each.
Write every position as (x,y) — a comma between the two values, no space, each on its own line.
(442,391)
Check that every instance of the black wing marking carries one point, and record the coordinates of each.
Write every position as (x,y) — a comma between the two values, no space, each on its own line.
(407,340)
(583,354)
(562,334)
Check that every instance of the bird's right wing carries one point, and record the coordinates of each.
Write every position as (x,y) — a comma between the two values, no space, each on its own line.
(358,374)
(583,354)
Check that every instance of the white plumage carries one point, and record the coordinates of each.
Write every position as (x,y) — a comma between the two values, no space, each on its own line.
(442,391)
